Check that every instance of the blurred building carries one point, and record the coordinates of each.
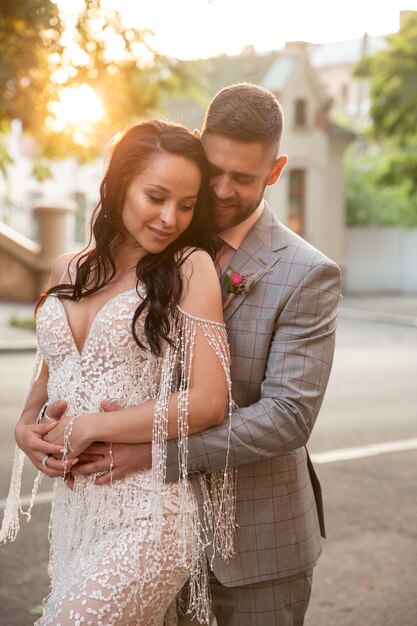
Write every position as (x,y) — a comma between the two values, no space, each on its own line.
(335,63)
(309,197)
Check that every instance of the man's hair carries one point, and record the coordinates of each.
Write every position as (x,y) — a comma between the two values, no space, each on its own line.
(247,113)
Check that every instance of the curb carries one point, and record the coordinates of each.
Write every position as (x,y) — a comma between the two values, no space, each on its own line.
(377,316)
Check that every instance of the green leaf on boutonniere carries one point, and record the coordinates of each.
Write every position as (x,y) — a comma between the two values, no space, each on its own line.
(237,283)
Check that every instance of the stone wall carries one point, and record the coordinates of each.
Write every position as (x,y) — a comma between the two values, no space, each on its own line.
(25,265)
(17,281)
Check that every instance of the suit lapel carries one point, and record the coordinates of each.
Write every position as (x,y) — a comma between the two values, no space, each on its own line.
(258,253)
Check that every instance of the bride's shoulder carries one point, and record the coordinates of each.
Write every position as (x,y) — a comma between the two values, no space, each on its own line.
(201,288)
(63,268)
(195,260)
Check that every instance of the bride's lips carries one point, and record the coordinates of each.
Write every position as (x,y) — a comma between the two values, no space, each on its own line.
(163,235)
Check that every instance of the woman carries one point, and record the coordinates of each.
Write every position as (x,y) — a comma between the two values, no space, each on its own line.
(137,319)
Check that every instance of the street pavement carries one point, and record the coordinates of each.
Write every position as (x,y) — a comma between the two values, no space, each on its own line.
(367,573)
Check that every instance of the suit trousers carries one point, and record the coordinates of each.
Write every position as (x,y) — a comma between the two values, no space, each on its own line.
(278,602)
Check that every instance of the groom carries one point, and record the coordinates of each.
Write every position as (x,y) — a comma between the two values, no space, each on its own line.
(281,336)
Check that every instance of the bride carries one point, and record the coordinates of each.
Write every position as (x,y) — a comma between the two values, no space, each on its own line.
(136,319)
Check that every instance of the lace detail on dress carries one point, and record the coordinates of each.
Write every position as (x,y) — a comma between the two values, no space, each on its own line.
(111,365)
(120,552)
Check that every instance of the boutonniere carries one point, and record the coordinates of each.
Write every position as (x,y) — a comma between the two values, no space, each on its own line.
(237,283)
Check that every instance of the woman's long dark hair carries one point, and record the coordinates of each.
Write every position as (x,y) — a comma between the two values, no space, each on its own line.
(159,272)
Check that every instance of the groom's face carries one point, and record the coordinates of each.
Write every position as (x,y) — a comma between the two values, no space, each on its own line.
(239,174)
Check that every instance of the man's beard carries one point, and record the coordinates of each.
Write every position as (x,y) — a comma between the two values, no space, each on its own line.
(239,214)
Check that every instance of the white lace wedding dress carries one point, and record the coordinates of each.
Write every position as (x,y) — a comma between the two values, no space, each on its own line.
(121,552)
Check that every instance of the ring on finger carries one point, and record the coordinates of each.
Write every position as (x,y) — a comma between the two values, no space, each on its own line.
(48,419)
(45,460)
(41,414)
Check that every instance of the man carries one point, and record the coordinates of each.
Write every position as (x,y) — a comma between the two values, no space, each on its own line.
(281,334)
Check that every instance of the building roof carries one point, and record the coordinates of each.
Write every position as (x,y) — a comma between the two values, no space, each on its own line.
(270,70)
(279,72)
(345,52)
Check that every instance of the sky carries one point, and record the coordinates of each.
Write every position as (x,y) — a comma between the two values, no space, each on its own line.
(201,28)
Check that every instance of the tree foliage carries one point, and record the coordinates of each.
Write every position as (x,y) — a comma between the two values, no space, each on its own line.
(30,32)
(393,75)
(43,53)
(376,194)
(393,180)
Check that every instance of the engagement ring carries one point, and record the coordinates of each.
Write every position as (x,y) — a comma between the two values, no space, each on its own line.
(102,473)
(45,460)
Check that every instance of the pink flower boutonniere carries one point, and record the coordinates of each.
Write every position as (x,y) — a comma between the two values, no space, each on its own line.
(237,283)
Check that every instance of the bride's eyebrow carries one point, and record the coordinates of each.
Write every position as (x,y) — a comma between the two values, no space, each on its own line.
(157,186)
(167,190)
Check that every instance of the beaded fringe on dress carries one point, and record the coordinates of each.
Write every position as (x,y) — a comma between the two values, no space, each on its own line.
(218,523)
(11,524)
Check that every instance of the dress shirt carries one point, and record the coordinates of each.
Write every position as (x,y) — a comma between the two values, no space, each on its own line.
(233,238)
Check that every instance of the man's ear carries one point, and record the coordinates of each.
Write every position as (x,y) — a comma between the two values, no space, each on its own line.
(197,133)
(276,170)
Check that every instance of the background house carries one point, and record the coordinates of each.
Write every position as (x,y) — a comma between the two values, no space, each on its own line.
(335,63)
(309,196)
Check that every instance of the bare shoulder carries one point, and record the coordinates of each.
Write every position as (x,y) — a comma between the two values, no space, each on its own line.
(196,260)
(61,266)
(202,294)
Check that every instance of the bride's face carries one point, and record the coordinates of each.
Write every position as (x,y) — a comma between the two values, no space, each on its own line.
(159,203)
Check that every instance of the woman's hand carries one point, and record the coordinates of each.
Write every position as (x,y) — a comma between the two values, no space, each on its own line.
(44,455)
(125,459)
(77,430)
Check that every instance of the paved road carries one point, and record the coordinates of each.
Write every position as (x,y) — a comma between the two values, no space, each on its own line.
(367,573)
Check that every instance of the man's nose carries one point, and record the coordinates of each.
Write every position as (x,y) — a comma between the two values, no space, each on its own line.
(222,187)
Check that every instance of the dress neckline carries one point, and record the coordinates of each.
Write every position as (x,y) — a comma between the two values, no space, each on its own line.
(103,307)
(97,315)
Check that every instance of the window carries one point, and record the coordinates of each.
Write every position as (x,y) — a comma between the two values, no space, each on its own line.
(301,113)
(296,204)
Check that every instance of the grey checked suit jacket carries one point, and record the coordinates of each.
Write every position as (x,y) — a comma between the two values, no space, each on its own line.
(281,337)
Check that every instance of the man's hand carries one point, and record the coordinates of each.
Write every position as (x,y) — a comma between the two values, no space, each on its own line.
(124,458)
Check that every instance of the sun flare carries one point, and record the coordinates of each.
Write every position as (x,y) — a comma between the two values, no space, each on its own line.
(77,111)
(77,105)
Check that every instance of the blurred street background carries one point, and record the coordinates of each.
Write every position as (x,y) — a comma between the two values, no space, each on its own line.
(366,575)
(73,73)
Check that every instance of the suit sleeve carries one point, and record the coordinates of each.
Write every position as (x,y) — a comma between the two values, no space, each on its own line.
(296,373)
